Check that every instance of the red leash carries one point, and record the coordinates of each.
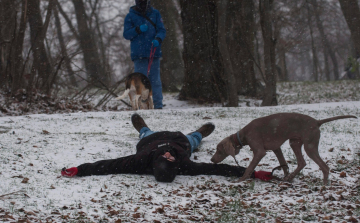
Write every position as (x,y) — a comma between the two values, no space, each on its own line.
(151,58)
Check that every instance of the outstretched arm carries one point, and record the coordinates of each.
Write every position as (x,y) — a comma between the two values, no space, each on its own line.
(193,169)
(128,164)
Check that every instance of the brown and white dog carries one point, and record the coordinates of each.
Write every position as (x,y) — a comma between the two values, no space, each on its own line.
(138,87)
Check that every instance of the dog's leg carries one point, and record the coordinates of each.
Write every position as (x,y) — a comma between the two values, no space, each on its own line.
(312,151)
(143,103)
(133,98)
(296,145)
(137,101)
(259,153)
(282,161)
(151,103)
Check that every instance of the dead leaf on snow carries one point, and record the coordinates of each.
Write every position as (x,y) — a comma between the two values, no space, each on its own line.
(159,210)
(342,161)
(30,213)
(136,215)
(20,176)
(25,180)
(57,212)
(45,132)
(9,216)
(352,219)
(113,212)
(342,174)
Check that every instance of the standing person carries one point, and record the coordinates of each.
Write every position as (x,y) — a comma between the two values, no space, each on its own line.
(164,155)
(144,27)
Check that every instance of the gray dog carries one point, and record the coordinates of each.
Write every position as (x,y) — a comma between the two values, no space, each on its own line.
(269,133)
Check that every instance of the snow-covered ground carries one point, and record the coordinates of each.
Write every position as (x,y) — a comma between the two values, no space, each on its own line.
(34,149)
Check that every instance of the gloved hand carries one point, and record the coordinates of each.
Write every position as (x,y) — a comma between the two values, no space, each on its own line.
(69,172)
(155,42)
(143,28)
(263,175)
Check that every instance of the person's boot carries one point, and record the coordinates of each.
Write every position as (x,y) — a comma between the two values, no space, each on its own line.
(205,130)
(138,122)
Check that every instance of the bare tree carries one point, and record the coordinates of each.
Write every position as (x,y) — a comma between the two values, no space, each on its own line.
(90,52)
(351,11)
(269,98)
(64,53)
(203,68)
(225,55)
(172,65)
(41,63)
(325,40)
(7,33)
(313,47)
(240,33)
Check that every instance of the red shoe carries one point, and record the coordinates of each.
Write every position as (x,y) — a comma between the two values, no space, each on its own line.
(69,172)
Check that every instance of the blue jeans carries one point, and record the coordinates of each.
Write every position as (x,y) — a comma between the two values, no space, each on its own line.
(141,66)
(194,139)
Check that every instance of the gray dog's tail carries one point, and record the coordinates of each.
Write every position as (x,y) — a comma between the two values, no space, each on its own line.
(320,122)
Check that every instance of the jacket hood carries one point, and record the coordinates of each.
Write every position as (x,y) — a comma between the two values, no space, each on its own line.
(142,6)
(165,170)
(134,9)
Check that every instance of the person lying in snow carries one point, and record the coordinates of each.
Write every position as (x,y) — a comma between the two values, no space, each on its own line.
(164,155)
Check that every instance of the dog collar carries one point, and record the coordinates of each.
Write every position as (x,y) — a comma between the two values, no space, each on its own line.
(236,139)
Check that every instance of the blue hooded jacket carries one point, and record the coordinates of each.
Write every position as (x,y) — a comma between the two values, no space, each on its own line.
(141,43)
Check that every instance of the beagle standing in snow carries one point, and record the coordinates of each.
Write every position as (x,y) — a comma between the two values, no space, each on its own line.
(138,88)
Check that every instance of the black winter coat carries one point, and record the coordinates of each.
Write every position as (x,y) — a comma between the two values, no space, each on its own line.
(142,161)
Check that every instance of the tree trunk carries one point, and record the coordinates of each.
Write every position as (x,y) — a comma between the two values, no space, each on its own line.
(269,54)
(240,29)
(90,52)
(282,63)
(37,34)
(224,51)
(8,23)
(100,40)
(172,65)
(203,68)
(63,49)
(67,19)
(325,40)
(17,58)
(326,65)
(313,48)
(351,11)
